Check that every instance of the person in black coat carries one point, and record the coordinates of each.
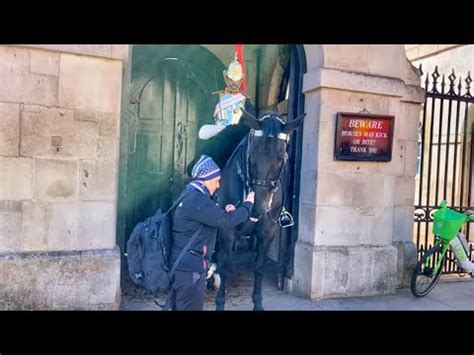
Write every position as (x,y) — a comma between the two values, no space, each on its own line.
(195,210)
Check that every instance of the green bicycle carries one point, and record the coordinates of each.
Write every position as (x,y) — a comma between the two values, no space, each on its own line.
(446,225)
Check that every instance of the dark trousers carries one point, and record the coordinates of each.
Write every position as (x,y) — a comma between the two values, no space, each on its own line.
(188,291)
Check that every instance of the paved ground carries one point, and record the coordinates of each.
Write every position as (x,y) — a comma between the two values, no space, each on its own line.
(449,294)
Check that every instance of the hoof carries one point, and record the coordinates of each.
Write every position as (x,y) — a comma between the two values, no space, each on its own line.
(258,308)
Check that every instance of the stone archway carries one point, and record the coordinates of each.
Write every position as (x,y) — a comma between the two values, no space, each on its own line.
(268,97)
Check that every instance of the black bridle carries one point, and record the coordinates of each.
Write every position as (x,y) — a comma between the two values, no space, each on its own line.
(255,181)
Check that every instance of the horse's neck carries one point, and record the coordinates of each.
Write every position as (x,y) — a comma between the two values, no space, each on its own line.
(233,176)
(238,151)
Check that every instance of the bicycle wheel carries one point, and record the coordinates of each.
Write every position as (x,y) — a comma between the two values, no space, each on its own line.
(423,280)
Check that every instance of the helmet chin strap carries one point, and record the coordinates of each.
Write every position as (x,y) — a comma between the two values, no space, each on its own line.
(226,79)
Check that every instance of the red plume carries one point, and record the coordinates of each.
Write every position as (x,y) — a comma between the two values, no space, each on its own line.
(239,52)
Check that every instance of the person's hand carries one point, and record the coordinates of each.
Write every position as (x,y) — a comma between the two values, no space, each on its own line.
(229,208)
(250,197)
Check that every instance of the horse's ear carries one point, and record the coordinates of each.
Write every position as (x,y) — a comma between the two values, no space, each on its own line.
(250,120)
(291,126)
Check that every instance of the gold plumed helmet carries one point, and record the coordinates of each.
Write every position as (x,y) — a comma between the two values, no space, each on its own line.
(234,71)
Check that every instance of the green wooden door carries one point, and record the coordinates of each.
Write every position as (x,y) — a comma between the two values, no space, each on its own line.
(171,105)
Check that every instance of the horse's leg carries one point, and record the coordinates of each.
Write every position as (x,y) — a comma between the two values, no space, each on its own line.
(251,242)
(264,240)
(282,257)
(226,241)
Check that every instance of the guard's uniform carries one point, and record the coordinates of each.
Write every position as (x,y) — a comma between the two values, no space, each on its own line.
(221,146)
(220,139)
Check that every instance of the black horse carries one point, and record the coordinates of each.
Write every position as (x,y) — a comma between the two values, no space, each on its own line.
(257,164)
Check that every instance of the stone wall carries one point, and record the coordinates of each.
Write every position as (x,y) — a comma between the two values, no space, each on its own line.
(418,51)
(79,280)
(59,139)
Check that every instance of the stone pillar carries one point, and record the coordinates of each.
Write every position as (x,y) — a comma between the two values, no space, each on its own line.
(59,141)
(356,218)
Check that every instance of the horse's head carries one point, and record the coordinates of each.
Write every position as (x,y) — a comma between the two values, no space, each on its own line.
(267,156)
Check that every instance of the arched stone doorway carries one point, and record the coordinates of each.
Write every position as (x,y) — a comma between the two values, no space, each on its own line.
(167,96)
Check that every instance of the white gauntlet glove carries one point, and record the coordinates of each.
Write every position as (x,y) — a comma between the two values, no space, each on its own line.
(211,270)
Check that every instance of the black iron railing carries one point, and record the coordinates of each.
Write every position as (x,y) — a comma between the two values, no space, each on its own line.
(445,168)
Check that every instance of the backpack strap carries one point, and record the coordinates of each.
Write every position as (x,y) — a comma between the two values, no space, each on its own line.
(167,305)
(185,249)
(190,241)
(178,201)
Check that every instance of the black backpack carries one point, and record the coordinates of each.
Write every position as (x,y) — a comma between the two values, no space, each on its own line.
(148,251)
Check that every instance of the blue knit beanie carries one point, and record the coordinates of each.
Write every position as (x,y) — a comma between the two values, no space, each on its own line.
(205,169)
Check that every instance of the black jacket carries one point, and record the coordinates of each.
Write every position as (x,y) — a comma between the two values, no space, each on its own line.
(195,210)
